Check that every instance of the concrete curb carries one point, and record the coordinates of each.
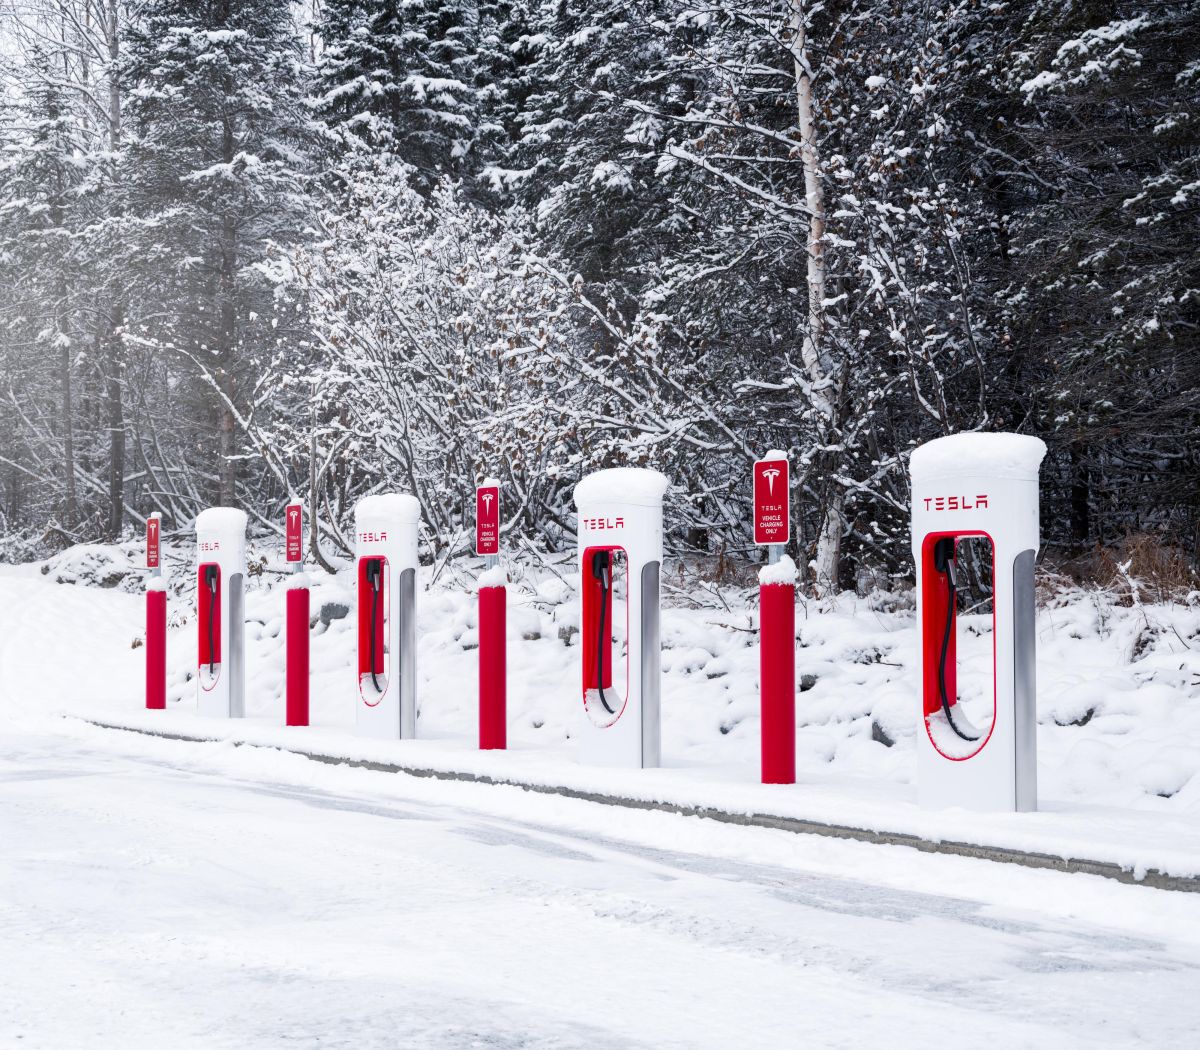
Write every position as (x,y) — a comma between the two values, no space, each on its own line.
(797,825)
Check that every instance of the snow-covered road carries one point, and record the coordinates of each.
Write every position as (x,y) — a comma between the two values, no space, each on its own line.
(169,894)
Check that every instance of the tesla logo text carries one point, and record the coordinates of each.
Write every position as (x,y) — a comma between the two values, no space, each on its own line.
(209,545)
(956,502)
(604,523)
(372,537)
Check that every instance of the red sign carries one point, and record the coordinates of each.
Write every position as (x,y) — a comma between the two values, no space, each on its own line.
(295,532)
(772,517)
(153,528)
(487,520)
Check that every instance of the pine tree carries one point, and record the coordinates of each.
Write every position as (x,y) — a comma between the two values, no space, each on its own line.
(40,176)
(397,77)
(219,136)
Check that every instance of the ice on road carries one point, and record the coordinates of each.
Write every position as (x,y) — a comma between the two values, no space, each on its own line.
(167,894)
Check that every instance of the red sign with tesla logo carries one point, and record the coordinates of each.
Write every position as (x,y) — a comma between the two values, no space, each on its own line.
(295,532)
(153,528)
(487,520)
(772,518)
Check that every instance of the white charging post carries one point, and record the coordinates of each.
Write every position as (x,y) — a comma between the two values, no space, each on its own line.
(620,554)
(974,750)
(220,606)
(386,573)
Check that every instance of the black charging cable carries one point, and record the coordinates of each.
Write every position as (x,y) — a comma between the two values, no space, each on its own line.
(375,580)
(943,560)
(602,570)
(210,580)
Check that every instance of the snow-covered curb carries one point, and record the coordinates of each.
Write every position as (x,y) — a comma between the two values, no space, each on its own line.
(1071,838)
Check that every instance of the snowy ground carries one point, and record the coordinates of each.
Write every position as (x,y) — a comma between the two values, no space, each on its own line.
(166,893)
(158,893)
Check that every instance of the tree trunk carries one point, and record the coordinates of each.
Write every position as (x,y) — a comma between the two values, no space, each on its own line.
(71,507)
(815,350)
(227,339)
(1081,490)
(114,395)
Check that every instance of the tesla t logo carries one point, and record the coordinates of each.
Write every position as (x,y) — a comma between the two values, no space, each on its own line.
(771,475)
(935,503)
(294,515)
(603,523)
(487,498)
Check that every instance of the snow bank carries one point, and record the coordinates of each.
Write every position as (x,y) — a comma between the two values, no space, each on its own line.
(629,485)
(783,571)
(91,564)
(388,507)
(1015,456)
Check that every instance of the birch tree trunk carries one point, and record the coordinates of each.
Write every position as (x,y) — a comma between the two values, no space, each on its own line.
(815,350)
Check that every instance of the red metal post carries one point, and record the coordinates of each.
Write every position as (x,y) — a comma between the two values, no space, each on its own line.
(156,650)
(493,669)
(297,656)
(777,668)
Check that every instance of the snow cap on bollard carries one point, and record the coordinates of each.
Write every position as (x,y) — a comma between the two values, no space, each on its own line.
(783,571)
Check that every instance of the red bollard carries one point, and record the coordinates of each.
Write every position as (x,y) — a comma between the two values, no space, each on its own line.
(156,649)
(493,669)
(777,668)
(296,630)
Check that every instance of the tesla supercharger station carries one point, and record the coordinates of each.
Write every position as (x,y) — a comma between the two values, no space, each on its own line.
(220,607)
(977,743)
(620,552)
(386,685)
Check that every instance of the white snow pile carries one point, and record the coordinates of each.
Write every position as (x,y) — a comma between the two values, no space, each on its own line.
(93,565)
(1118,683)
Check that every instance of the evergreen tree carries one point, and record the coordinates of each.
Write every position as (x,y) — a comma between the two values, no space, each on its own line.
(40,175)
(397,76)
(214,170)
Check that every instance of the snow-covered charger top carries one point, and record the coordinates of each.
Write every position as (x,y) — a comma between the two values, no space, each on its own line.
(387,508)
(634,486)
(221,519)
(1016,456)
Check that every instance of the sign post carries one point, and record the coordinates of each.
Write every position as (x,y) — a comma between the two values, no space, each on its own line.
(777,619)
(296,618)
(156,618)
(493,617)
